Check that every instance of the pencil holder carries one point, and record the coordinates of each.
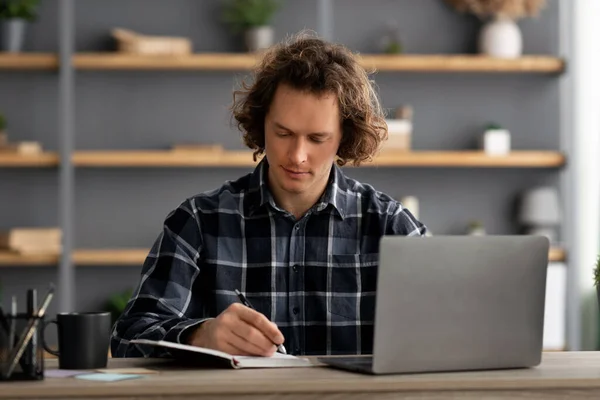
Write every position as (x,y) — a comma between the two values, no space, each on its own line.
(20,359)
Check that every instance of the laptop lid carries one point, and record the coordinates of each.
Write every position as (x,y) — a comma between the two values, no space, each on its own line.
(449,303)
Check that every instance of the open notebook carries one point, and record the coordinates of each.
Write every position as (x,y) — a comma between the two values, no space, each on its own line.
(208,357)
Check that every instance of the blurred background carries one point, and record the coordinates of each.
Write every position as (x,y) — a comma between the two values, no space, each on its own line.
(112,112)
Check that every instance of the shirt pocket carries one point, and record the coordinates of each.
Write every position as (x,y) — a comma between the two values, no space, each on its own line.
(352,286)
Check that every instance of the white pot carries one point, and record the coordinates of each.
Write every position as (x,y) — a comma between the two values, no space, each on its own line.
(13,34)
(501,38)
(259,38)
(496,142)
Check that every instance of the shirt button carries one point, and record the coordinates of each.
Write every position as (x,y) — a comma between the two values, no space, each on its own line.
(295,268)
(295,310)
(297,227)
(297,350)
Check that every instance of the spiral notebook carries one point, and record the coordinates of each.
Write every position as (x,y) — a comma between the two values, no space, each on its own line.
(207,357)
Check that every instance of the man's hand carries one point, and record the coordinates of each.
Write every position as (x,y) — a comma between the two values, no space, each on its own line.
(238,330)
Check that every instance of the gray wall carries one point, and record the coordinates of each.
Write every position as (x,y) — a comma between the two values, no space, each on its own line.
(146,110)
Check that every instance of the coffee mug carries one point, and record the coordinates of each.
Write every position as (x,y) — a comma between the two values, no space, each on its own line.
(83,339)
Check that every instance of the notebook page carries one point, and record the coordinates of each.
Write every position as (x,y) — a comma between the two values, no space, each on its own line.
(277,360)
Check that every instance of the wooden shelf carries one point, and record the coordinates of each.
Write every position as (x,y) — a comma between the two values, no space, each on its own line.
(167,158)
(25,61)
(245,61)
(107,257)
(557,254)
(18,260)
(23,160)
(126,257)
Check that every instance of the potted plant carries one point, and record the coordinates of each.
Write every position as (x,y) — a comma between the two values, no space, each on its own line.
(597,278)
(14,17)
(117,302)
(500,36)
(253,19)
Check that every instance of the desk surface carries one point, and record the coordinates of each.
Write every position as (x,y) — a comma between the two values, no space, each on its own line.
(572,374)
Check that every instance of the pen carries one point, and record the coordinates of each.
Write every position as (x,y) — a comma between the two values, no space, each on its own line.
(13,323)
(245,302)
(31,349)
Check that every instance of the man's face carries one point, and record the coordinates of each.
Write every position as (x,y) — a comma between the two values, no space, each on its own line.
(302,136)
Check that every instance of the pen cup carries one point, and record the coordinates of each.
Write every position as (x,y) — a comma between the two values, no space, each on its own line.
(30,364)
(83,340)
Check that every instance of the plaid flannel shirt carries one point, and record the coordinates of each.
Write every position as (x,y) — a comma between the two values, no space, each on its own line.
(314,277)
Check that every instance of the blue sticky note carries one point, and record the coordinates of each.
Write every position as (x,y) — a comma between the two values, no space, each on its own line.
(107,377)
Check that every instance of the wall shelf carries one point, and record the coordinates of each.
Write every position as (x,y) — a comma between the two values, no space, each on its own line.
(28,61)
(167,158)
(245,61)
(34,160)
(126,257)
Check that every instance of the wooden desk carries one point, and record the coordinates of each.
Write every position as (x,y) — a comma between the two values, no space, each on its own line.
(561,375)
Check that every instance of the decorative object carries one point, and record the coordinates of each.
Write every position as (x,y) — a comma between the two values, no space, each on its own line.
(411,203)
(15,15)
(400,129)
(32,240)
(253,19)
(476,228)
(496,140)
(132,42)
(540,212)
(391,42)
(500,36)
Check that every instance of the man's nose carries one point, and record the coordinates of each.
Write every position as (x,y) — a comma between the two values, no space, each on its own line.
(298,151)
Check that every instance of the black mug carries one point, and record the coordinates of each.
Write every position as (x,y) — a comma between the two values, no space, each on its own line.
(83,340)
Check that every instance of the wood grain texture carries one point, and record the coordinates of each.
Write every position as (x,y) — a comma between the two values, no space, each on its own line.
(379,62)
(388,158)
(14,160)
(110,257)
(121,257)
(28,61)
(573,374)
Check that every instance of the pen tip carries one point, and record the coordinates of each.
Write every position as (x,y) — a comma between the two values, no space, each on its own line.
(237,292)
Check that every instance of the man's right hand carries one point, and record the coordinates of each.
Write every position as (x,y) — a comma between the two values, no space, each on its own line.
(238,330)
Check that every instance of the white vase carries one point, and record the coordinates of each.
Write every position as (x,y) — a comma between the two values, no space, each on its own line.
(259,38)
(13,34)
(501,38)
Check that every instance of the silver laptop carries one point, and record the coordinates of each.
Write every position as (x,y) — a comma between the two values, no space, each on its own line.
(456,303)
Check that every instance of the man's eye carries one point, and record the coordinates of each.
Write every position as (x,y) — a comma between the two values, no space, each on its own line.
(317,140)
(282,134)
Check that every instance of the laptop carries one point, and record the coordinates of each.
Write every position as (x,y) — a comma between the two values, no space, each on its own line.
(456,303)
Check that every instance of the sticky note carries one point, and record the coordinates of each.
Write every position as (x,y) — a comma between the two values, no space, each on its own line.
(62,373)
(142,371)
(107,377)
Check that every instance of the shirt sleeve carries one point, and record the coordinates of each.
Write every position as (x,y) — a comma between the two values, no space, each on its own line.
(402,222)
(158,307)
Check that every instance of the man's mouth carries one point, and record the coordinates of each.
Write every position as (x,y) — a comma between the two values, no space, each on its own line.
(294,171)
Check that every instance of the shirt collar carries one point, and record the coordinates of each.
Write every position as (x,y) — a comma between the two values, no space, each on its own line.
(335,194)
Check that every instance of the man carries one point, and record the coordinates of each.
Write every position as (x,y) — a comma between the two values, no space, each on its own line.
(296,236)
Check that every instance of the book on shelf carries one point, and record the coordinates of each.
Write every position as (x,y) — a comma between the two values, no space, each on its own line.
(32,240)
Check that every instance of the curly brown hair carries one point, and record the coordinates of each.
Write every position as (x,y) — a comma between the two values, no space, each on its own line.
(308,63)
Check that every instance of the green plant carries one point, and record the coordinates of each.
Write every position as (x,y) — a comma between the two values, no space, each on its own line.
(117,302)
(597,272)
(23,9)
(244,14)
(493,126)
(2,123)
